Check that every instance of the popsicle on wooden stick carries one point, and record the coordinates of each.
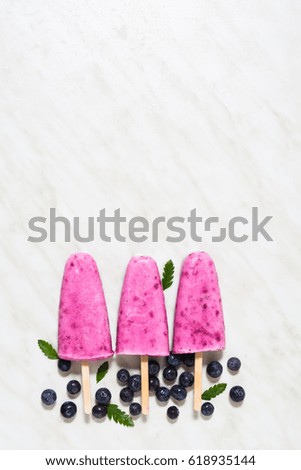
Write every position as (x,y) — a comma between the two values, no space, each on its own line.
(199,321)
(84,332)
(142,322)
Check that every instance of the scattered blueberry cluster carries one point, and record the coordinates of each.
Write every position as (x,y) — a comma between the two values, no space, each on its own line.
(237,393)
(68,408)
(178,391)
(132,385)
(214,370)
(102,397)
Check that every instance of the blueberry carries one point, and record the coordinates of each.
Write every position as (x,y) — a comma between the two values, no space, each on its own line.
(123,376)
(48,397)
(64,365)
(68,409)
(135,382)
(162,393)
(173,412)
(188,359)
(214,369)
(170,373)
(103,396)
(207,408)
(178,392)
(153,367)
(99,411)
(126,394)
(135,409)
(237,393)
(153,383)
(186,379)
(174,360)
(234,363)
(73,387)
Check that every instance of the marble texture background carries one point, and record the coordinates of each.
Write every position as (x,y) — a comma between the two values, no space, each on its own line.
(154,108)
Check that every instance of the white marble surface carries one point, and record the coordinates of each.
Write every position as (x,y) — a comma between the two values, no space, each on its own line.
(154,108)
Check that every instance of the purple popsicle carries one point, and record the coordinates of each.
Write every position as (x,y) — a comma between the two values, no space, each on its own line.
(84,332)
(199,321)
(142,322)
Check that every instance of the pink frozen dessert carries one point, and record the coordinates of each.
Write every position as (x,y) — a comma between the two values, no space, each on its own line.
(84,332)
(142,322)
(199,322)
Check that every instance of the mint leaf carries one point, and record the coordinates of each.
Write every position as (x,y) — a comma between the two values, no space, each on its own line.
(47,349)
(212,392)
(119,416)
(168,273)
(102,371)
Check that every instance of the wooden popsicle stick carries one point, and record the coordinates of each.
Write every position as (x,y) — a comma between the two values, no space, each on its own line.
(198,362)
(86,386)
(144,385)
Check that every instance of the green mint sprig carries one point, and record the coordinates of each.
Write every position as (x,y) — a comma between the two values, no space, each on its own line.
(168,274)
(119,416)
(212,392)
(102,371)
(47,349)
